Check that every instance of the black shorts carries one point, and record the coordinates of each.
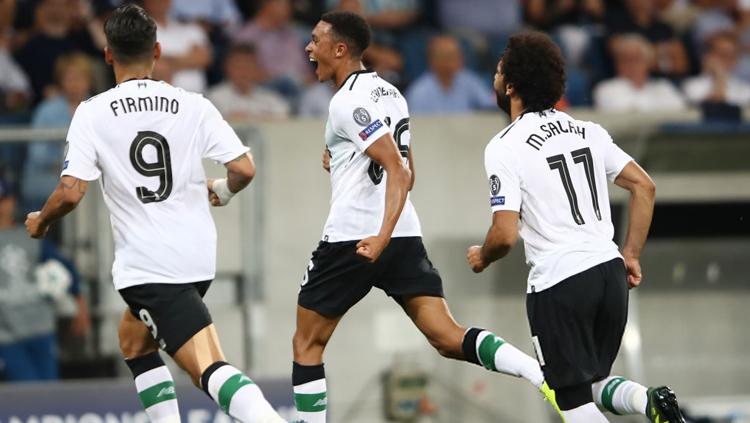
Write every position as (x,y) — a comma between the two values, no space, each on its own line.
(172,312)
(337,277)
(577,325)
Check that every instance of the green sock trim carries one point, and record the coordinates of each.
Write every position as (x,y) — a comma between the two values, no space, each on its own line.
(158,393)
(229,388)
(311,403)
(487,350)
(609,392)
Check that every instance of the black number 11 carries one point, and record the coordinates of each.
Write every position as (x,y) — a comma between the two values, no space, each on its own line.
(582,156)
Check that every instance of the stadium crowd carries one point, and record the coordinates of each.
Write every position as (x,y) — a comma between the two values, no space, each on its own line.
(248,58)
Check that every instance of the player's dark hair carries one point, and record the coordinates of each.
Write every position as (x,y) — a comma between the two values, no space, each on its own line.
(131,34)
(534,65)
(351,29)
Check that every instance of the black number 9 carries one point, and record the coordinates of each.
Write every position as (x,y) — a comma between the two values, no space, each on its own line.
(161,168)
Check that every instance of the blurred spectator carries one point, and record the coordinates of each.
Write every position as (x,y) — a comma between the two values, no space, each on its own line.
(43,163)
(717,83)
(53,36)
(641,17)
(15,91)
(448,87)
(568,21)
(211,14)
(240,97)
(36,283)
(679,14)
(184,47)
(382,58)
(315,100)
(281,54)
(487,17)
(482,26)
(714,16)
(633,90)
(7,14)
(743,67)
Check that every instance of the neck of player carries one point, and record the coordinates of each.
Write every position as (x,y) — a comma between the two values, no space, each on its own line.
(516,108)
(347,69)
(135,71)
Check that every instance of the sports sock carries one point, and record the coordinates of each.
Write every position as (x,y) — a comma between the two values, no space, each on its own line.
(310,392)
(489,350)
(587,413)
(620,396)
(236,394)
(155,388)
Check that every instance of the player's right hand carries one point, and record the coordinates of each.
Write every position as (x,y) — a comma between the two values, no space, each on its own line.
(474,257)
(371,247)
(633,269)
(34,225)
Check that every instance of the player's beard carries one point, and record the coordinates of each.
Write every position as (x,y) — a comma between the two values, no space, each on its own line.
(503,101)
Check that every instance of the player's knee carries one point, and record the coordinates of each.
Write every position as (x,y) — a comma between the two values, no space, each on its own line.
(132,347)
(306,345)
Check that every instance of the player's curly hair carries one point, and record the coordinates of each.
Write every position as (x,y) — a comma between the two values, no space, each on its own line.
(131,34)
(534,65)
(350,28)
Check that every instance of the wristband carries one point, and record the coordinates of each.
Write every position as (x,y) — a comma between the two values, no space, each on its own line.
(221,189)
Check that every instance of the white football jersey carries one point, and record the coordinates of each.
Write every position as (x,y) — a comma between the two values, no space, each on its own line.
(147,140)
(553,170)
(365,108)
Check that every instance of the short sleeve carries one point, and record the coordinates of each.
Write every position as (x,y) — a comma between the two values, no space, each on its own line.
(358,120)
(504,180)
(220,141)
(615,159)
(80,149)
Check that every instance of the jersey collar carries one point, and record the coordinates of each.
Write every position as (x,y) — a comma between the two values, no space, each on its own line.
(355,74)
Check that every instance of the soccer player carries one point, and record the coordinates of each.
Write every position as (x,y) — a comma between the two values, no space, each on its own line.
(146,140)
(372,237)
(548,179)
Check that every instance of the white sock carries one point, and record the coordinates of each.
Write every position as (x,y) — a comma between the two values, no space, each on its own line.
(310,396)
(239,397)
(156,392)
(587,413)
(620,396)
(500,356)
(311,402)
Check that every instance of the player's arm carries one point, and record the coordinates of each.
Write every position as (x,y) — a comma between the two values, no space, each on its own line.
(640,211)
(411,169)
(240,172)
(66,196)
(384,152)
(500,238)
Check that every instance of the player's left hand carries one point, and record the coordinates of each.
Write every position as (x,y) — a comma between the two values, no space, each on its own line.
(212,197)
(34,225)
(371,247)
(474,256)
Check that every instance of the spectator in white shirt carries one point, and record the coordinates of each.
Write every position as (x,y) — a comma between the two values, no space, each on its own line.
(633,90)
(184,47)
(717,83)
(239,98)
